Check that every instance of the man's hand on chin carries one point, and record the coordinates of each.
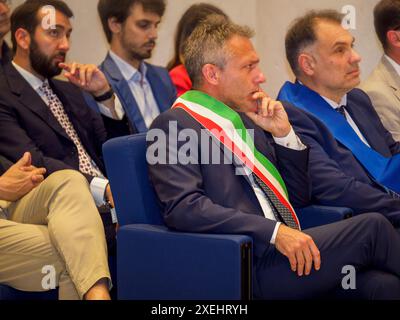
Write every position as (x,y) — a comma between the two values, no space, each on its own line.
(270,115)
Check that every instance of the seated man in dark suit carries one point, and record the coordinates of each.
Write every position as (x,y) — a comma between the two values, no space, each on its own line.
(225,159)
(5,54)
(48,117)
(353,158)
(143,90)
(50,227)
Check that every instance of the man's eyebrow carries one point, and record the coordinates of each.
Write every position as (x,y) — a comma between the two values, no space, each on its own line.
(343,43)
(148,20)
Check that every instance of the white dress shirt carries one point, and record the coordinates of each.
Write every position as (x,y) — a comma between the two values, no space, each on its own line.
(140,88)
(291,141)
(350,121)
(98,184)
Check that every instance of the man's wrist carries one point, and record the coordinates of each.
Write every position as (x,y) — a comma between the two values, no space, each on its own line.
(103,95)
(282,133)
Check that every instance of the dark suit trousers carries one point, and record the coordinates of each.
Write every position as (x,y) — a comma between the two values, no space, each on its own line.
(367,242)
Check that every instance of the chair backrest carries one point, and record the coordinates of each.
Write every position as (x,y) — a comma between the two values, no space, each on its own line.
(134,196)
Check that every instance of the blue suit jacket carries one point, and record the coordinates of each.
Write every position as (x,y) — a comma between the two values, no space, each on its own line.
(338,179)
(212,198)
(163,89)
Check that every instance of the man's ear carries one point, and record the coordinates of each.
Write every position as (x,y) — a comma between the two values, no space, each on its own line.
(114,25)
(211,73)
(393,38)
(306,64)
(23,38)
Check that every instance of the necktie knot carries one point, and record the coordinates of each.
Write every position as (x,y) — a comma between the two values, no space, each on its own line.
(342,110)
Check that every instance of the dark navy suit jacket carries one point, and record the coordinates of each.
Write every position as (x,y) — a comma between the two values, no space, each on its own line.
(6,53)
(338,179)
(27,124)
(212,198)
(5,164)
(163,90)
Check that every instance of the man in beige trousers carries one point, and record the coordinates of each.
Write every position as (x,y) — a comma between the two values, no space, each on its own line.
(51,223)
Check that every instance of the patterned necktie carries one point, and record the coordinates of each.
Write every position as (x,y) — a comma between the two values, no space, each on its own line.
(86,164)
(281,213)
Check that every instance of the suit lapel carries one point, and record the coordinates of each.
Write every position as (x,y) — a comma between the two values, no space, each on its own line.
(263,141)
(159,89)
(391,76)
(363,123)
(27,96)
(121,88)
(74,105)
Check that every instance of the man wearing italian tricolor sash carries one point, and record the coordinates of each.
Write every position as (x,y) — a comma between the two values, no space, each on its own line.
(355,160)
(251,173)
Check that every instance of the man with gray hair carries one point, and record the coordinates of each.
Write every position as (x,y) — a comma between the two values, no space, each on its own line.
(229,105)
(353,157)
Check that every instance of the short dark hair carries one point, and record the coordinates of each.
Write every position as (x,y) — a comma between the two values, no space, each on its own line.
(386,18)
(302,34)
(193,16)
(26,16)
(121,9)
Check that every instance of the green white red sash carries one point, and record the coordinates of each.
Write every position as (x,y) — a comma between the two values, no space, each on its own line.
(225,125)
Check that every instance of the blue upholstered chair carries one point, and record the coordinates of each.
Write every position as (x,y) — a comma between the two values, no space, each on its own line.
(155,263)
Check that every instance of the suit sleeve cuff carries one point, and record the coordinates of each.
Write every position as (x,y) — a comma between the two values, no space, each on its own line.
(291,141)
(98,188)
(119,110)
(273,238)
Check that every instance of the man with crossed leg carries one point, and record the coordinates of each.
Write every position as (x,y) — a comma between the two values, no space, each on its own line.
(200,196)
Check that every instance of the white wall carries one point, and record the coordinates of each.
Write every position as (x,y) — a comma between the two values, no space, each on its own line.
(270,19)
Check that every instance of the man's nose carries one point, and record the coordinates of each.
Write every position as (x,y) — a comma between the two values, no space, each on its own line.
(260,78)
(64,44)
(355,57)
(153,33)
(3,8)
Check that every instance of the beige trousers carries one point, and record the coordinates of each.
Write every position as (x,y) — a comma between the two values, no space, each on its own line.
(58,225)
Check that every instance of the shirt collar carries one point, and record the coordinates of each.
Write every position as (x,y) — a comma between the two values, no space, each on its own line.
(127,71)
(34,81)
(395,65)
(332,103)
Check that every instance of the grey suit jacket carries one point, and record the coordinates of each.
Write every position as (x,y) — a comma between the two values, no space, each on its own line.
(383,87)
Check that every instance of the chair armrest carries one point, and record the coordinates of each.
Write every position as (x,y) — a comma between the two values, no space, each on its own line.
(314,216)
(155,263)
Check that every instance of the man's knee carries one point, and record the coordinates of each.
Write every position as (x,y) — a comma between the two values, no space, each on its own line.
(373,218)
(374,222)
(382,286)
(70,178)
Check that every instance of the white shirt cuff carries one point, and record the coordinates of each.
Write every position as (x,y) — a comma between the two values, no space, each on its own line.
(272,241)
(98,188)
(119,110)
(291,141)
